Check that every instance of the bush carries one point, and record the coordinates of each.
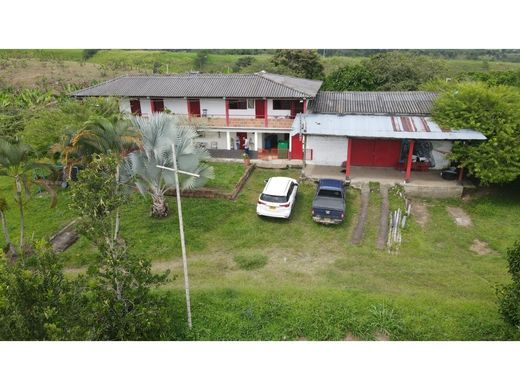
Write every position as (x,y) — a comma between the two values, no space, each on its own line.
(509,295)
(251,261)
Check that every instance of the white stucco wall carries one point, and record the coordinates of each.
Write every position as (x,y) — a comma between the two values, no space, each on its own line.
(215,107)
(176,106)
(327,150)
(211,137)
(124,105)
(146,106)
(439,153)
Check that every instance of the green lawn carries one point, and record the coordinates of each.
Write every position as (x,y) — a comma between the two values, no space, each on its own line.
(257,278)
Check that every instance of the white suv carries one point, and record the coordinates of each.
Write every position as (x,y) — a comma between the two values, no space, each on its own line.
(277,198)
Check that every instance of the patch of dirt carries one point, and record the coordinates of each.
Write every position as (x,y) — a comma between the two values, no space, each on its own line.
(381,336)
(351,337)
(357,235)
(480,247)
(420,213)
(459,216)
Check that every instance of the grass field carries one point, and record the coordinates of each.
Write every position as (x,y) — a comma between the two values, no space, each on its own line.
(55,68)
(257,278)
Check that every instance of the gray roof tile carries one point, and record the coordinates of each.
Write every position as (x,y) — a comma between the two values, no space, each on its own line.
(257,85)
(405,103)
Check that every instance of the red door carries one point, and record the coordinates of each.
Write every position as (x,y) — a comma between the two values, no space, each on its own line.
(375,152)
(135,107)
(296,147)
(157,105)
(387,153)
(241,138)
(260,109)
(194,108)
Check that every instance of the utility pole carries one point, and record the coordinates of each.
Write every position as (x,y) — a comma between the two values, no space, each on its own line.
(181,228)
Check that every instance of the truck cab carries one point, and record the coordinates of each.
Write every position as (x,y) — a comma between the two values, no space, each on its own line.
(328,206)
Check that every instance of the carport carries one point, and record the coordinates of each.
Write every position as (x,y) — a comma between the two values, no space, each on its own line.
(377,141)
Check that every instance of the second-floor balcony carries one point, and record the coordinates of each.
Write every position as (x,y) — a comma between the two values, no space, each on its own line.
(237,121)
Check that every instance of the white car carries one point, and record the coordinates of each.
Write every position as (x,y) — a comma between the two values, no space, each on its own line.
(277,198)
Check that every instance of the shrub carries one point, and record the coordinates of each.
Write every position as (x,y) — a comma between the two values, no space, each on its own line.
(509,295)
(250,261)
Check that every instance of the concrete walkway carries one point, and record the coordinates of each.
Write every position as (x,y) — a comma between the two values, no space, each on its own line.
(426,184)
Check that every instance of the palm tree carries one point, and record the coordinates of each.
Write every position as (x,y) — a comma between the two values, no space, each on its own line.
(103,136)
(9,248)
(159,132)
(15,163)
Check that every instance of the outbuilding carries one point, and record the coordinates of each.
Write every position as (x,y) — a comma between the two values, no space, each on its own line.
(376,129)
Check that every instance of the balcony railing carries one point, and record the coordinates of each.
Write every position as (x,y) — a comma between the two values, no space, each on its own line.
(242,121)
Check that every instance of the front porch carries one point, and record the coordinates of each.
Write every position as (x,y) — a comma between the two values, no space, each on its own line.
(422,184)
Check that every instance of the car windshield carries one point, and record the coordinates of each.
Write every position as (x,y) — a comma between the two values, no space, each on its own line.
(273,198)
(330,193)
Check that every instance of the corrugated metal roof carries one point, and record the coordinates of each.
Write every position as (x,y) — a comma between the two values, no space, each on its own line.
(398,103)
(379,126)
(257,85)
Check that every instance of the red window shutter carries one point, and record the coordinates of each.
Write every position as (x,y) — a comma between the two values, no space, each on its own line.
(135,107)
(157,105)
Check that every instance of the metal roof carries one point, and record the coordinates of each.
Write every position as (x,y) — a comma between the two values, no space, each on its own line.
(379,126)
(398,103)
(257,85)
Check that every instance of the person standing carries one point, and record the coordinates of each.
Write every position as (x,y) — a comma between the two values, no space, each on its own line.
(246,146)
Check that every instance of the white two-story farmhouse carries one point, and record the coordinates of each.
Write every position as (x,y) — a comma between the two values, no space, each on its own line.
(282,117)
(229,110)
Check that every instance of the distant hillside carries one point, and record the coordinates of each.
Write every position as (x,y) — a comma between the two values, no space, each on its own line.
(54,69)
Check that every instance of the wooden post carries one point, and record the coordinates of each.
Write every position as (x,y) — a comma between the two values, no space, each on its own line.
(266,121)
(227,112)
(409,161)
(461,174)
(349,153)
(305,106)
(183,244)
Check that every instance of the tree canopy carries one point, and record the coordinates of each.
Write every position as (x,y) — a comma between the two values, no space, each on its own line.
(389,71)
(494,111)
(300,62)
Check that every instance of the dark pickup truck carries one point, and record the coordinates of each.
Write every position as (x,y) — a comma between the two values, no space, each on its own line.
(328,206)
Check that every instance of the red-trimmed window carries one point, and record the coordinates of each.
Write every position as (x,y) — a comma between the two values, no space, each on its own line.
(282,104)
(135,107)
(157,105)
(238,104)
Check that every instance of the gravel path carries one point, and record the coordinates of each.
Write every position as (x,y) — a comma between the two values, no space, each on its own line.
(357,235)
(382,235)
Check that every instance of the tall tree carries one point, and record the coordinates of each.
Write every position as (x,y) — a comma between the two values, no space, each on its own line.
(400,71)
(494,111)
(159,132)
(355,77)
(301,62)
(118,300)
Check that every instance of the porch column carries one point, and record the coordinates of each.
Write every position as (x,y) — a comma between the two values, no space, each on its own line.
(290,147)
(409,161)
(256,141)
(227,114)
(304,106)
(347,164)
(266,121)
(228,140)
